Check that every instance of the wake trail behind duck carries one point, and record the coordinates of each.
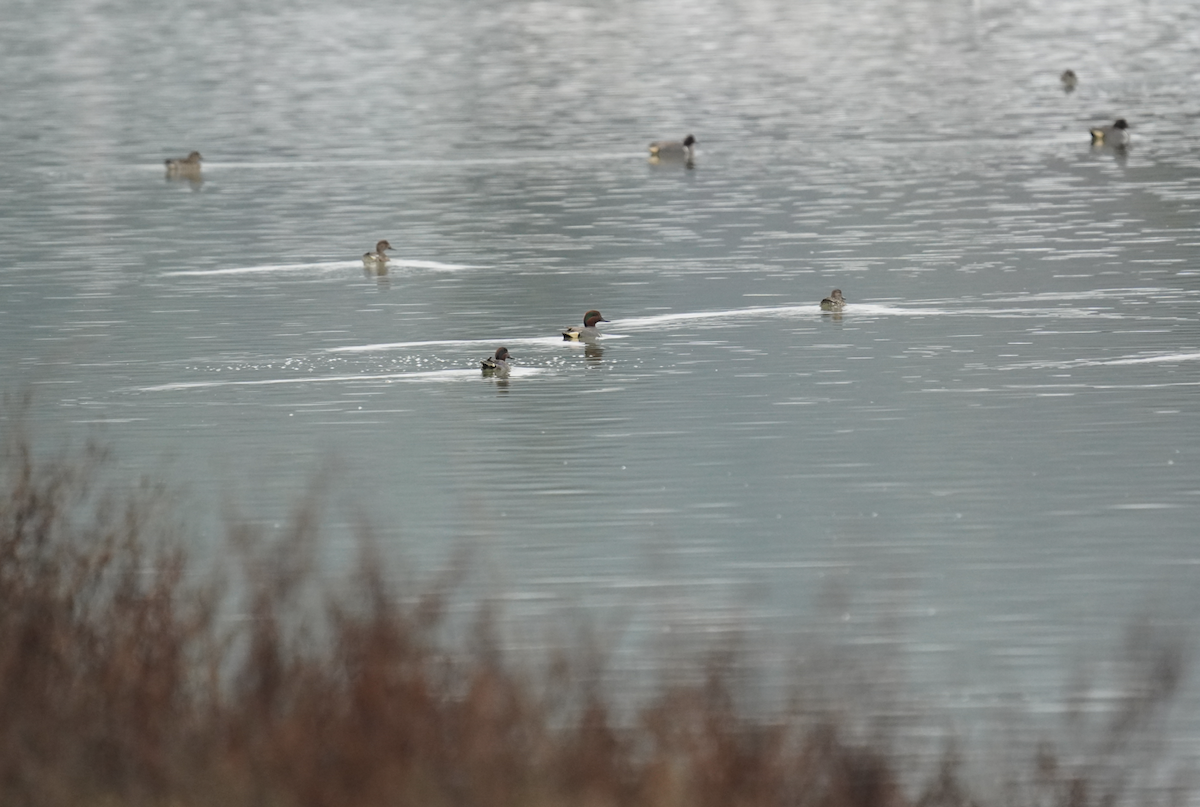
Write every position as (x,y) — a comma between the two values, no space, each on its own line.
(543,157)
(381,346)
(859,310)
(322,266)
(419,376)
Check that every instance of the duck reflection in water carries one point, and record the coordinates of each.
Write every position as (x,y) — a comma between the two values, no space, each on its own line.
(593,352)
(379,272)
(382,281)
(1069,80)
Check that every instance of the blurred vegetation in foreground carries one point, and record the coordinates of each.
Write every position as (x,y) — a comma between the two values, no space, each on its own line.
(124,681)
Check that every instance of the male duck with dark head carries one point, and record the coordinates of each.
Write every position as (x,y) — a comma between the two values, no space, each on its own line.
(589,329)
(834,302)
(674,149)
(377,259)
(1115,135)
(184,166)
(497,363)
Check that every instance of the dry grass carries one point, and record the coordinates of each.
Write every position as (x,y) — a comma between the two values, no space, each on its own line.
(121,686)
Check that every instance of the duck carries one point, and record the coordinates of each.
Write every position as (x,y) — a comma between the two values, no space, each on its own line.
(497,363)
(185,165)
(674,149)
(1115,135)
(834,302)
(588,331)
(1069,80)
(376,259)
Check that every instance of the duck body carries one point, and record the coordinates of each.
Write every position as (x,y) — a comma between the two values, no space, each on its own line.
(834,302)
(378,258)
(1069,80)
(589,331)
(497,363)
(184,166)
(674,149)
(1115,135)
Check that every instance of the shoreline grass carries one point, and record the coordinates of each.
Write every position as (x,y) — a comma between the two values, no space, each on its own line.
(121,686)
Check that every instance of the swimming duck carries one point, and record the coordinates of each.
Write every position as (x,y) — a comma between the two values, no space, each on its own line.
(1115,135)
(184,166)
(588,331)
(834,302)
(497,363)
(1069,80)
(377,259)
(673,149)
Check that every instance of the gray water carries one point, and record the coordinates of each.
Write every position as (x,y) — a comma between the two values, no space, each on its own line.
(986,465)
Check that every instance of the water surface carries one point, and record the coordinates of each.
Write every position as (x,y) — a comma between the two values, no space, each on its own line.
(988,463)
